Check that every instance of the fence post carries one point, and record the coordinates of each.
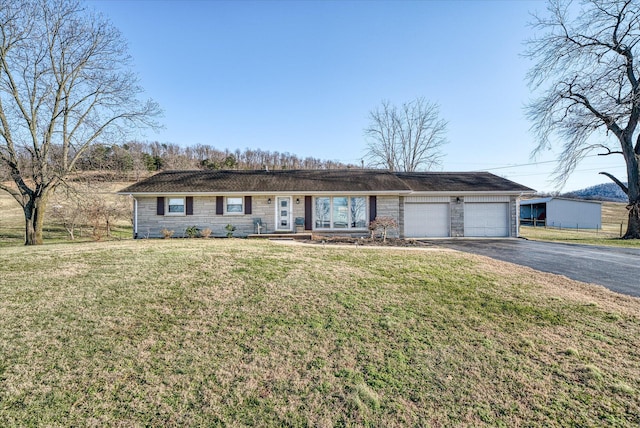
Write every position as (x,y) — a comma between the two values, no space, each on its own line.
(621,229)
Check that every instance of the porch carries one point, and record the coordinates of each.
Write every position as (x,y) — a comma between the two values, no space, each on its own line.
(281,235)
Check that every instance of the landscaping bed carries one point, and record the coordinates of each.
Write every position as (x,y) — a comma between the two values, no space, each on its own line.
(356,241)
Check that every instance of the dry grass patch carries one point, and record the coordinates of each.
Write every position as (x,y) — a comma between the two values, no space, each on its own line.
(236,332)
(12,221)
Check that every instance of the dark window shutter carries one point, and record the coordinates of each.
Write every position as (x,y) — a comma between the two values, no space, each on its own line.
(160,206)
(308,213)
(189,203)
(219,205)
(247,204)
(373,209)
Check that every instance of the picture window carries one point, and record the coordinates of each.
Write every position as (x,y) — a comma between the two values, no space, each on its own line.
(340,212)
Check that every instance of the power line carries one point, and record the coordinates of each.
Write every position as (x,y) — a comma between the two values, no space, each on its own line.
(526,164)
(601,168)
(517,165)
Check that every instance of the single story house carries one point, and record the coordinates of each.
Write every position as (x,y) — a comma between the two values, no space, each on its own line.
(425,204)
(561,212)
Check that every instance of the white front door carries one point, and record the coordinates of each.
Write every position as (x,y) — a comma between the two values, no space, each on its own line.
(283,213)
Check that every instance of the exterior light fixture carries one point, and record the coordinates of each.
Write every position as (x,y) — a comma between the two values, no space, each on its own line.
(269,201)
(298,201)
(457,199)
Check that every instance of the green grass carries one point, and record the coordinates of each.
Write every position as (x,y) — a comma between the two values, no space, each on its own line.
(241,332)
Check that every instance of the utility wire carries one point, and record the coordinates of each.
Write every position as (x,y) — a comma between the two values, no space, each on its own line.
(525,164)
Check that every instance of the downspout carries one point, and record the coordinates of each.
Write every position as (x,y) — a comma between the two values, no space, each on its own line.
(135,218)
(517,202)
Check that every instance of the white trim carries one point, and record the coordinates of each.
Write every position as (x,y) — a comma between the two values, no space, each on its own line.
(486,198)
(427,199)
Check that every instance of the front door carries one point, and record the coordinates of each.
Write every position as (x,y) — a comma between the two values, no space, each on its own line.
(283,213)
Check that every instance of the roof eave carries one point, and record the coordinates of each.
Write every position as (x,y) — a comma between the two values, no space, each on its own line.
(471,192)
(271,193)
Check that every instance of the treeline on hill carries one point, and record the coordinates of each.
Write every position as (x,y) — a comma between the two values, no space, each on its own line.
(133,160)
(83,206)
(609,192)
(600,192)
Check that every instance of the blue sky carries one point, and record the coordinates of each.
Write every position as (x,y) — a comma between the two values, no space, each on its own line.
(302,76)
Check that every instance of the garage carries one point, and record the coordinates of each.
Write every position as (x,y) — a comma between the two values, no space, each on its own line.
(486,219)
(426,219)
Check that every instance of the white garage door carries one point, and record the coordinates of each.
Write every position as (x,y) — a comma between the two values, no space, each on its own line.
(422,220)
(486,219)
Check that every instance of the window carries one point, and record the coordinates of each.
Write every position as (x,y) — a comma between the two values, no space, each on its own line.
(176,206)
(340,212)
(234,206)
(323,213)
(358,213)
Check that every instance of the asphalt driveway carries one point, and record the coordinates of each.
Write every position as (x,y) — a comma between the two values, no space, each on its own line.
(615,268)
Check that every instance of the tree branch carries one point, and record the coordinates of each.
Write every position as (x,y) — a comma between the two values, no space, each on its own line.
(624,188)
(609,151)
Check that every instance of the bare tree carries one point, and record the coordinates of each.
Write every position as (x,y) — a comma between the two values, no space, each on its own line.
(385,224)
(408,138)
(68,209)
(102,212)
(586,72)
(65,81)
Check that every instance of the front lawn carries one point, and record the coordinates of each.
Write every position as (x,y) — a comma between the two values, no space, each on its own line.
(241,332)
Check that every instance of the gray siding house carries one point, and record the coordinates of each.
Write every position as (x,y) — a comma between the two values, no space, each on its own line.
(425,204)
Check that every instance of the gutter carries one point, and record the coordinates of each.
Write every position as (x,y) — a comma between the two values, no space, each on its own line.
(336,192)
(271,193)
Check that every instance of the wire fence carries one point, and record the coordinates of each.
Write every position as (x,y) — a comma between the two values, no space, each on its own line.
(604,230)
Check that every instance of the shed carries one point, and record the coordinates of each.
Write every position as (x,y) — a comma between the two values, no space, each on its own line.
(561,212)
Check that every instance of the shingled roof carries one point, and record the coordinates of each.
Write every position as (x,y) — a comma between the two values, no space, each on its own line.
(459,182)
(351,180)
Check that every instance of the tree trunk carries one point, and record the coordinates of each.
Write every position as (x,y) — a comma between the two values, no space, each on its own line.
(633,177)
(34,211)
(633,226)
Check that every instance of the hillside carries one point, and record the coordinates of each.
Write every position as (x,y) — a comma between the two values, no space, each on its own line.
(600,192)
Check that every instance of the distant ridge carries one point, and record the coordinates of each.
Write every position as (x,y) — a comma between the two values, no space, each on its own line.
(599,192)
